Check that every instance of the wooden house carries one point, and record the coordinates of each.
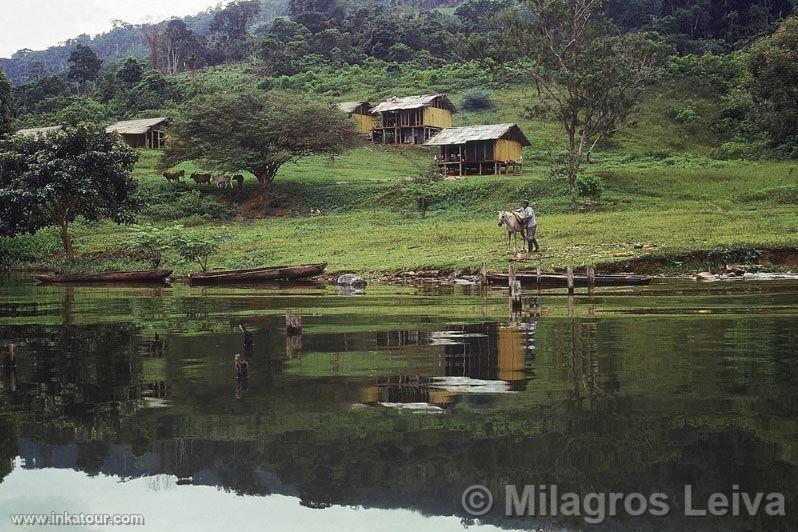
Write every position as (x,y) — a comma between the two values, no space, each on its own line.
(412,119)
(145,133)
(361,114)
(35,131)
(469,150)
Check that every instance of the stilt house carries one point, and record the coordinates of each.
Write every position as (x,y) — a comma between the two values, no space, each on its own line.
(412,119)
(491,149)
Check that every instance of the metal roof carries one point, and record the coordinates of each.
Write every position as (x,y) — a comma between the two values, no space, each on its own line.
(461,135)
(33,131)
(351,107)
(135,127)
(412,102)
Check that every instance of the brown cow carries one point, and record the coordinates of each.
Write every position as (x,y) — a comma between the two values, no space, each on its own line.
(201,178)
(238,178)
(174,175)
(222,181)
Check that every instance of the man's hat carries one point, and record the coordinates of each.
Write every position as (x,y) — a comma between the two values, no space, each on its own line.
(526,201)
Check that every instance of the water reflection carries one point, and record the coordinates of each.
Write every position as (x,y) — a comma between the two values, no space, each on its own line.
(142,385)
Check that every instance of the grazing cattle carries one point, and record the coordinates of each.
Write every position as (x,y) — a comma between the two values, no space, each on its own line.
(238,178)
(201,178)
(222,181)
(174,175)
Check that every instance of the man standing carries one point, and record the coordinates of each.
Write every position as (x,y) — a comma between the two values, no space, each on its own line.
(528,218)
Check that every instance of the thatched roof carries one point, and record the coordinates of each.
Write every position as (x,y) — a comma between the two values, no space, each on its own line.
(32,132)
(461,135)
(351,107)
(414,102)
(136,127)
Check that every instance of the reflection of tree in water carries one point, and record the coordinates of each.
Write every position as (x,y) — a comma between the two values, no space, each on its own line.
(9,448)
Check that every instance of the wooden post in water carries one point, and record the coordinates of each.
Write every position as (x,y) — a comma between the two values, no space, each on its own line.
(484,274)
(591,279)
(570,273)
(515,289)
(293,323)
(537,279)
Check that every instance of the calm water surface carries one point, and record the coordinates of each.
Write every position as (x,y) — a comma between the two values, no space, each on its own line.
(391,403)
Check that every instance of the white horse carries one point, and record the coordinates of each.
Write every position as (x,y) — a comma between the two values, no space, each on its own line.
(514,225)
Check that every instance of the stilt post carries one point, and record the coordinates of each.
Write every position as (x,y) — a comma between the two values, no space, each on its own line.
(570,273)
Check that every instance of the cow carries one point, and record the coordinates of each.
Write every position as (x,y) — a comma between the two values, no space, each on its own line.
(222,181)
(174,175)
(201,179)
(238,178)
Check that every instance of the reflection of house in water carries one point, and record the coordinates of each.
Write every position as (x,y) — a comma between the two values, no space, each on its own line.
(490,352)
(493,357)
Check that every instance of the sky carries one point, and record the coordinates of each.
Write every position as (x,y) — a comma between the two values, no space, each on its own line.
(37,24)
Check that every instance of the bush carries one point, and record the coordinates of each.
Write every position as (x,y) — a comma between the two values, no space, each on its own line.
(27,248)
(658,155)
(169,205)
(589,186)
(476,100)
(741,149)
(194,249)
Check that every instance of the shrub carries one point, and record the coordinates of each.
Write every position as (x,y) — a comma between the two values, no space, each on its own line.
(195,250)
(741,149)
(170,205)
(658,155)
(153,241)
(476,100)
(590,186)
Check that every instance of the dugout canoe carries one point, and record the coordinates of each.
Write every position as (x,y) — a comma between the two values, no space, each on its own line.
(555,280)
(256,275)
(144,276)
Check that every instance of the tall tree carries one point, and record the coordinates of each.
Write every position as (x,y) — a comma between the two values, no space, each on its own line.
(257,132)
(50,180)
(773,64)
(232,21)
(84,67)
(180,47)
(5,104)
(585,74)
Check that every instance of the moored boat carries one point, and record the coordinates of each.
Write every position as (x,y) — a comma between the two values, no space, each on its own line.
(143,276)
(555,280)
(254,275)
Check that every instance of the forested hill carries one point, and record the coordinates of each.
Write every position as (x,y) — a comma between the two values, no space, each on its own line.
(693,26)
(123,41)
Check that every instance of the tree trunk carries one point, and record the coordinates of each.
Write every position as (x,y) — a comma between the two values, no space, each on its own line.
(66,239)
(266,176)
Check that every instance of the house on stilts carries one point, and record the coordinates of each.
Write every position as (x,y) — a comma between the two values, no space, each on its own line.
(470,150)
(412,119)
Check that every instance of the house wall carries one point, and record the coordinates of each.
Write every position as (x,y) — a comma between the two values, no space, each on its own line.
(507,150)
(135,141)
(437,117)
(363,123)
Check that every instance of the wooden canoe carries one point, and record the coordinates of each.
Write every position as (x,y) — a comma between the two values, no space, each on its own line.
(554,280)
(144,276)
(255,275)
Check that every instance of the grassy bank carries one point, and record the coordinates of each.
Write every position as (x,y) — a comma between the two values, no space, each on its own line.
(680,204)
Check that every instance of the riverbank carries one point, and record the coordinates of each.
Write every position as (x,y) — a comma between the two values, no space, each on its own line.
(677,215)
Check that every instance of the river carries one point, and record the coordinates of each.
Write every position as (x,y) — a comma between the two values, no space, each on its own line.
(392,403)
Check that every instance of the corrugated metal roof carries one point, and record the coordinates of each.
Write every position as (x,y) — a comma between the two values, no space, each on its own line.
(461,135)
(351,107)
(33,131)
(412,102)
(135,127)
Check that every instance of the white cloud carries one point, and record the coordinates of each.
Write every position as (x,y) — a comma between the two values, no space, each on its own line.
(37,24)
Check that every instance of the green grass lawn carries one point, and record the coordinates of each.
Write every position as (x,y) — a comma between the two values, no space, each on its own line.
(693,204)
